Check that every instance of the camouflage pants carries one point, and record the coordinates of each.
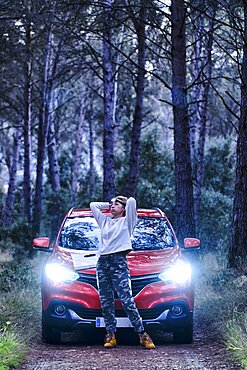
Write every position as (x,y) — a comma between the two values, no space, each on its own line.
(113,274)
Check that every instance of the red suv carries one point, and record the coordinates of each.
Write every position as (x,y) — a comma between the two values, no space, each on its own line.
(161,278)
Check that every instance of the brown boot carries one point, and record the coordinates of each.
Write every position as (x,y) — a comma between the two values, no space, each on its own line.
(110,340)
(146,341)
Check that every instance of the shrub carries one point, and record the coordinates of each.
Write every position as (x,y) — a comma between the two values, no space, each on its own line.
(221,302)
(236,337)
(215,221)
(16,239)
(217,196)
(19,303)
(219,165)
(16,275)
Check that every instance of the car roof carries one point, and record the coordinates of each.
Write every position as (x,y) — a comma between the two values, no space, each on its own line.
(141,212)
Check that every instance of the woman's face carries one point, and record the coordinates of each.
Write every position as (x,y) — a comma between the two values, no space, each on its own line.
(117,209)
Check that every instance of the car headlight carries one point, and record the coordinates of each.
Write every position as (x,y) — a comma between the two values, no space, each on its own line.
(60,274)
(178,273)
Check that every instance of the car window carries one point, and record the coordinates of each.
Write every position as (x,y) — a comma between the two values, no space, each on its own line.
(80,233)
(152,234)
(83,233)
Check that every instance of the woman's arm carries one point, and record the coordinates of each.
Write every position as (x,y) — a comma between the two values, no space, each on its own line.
(131,214)
(96,208)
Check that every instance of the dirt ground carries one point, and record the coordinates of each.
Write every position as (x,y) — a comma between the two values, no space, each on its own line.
(206,352)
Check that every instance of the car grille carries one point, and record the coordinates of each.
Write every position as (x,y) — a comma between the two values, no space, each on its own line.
(137,283)
(91,314)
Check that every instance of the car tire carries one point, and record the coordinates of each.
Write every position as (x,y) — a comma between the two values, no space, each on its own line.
(50,335)
(183,335)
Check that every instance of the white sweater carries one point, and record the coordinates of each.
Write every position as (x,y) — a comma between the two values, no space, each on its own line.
(115,232)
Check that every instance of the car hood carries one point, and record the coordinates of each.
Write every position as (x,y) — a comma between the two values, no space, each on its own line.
(151,262)
(140,262)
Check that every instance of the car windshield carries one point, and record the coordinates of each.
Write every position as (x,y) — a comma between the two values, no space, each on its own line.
(83,233)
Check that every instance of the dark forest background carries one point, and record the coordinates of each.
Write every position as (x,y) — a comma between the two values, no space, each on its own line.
(135,97)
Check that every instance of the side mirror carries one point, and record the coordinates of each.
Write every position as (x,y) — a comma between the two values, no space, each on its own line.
(192,243)
(42,244)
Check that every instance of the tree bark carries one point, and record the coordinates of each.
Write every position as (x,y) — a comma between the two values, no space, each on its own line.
(203,116)
(91,182)
(53,156)
(183,172)
(6,219)
(42,136)
(78,151)
(238,248)
(196,90)
(138,113)
(27,130)
(54,171)
(108,81)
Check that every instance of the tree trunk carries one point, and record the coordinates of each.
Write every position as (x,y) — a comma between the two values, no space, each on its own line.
(42,136)
(9,204)
(117,114)
(53,158)
(108,81)
(203,117)
(196,90)
(27,131)
(54,172)
(138,113)
(238,249)
(183,173)
(78,151)
(91,182)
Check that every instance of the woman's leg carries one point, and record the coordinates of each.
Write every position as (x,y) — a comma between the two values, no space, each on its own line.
(121,282)
(106,293)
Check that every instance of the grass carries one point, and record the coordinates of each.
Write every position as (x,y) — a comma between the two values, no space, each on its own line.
(236,341)
(221,301)
(12,350)
(19,304)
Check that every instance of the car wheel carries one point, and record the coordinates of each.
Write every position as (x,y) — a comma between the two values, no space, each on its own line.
(184,335)
(50,335)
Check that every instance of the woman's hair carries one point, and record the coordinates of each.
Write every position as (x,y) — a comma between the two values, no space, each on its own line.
(121,199)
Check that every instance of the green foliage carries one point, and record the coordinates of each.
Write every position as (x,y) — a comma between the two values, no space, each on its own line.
(17,239)
(156,175)
(219,166)
(217,196)
(156,178)
(19,304)
(221,301)
(86,194)
(16,275)
(216,218)
(55,206)
(65,165)
(12,350)
(236,337)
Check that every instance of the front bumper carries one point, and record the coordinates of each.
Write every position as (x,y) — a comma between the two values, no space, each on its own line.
(78,317)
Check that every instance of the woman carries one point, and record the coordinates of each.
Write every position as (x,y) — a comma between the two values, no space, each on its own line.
(112,267)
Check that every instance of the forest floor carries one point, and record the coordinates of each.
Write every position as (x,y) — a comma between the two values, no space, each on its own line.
(206,352)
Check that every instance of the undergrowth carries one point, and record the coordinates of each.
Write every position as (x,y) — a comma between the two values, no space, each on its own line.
(12,349)
(236,340)
(221,301)
(19,305)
